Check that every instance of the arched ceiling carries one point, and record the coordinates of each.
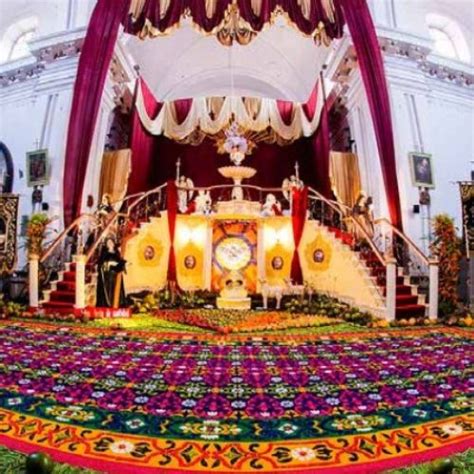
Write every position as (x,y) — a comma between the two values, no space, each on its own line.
(280,63)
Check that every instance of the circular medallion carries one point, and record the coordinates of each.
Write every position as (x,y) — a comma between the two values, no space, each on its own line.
(318,256)
(233,253)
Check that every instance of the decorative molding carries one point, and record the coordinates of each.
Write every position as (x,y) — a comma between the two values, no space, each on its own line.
(44,51)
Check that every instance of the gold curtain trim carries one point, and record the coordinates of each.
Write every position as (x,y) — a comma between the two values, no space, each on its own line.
(243,32)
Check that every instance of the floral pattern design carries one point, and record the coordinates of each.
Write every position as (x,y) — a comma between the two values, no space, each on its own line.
(170,387)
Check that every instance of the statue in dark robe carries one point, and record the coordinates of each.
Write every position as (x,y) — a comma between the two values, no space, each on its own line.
(110,288)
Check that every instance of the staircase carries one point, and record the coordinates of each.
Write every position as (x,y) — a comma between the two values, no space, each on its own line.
(61,296)
(408,303)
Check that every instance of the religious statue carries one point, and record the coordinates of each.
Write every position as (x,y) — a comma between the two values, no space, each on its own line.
(203,202)
(290,184)
(271,207)
(110,288)
(104,210)
(37,199)
(362,211)
(185,193)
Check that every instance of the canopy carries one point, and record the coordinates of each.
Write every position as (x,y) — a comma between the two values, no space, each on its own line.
(320,19)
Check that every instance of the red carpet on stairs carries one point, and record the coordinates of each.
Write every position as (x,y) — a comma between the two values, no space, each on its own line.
(406,305)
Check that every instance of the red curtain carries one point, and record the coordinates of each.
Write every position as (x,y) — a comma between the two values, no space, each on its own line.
(298,218)
(142,145)
(364,36)
(197,8)
(321,151)
(92,71)
(172,207)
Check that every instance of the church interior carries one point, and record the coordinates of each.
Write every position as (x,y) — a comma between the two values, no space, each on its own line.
(236,236)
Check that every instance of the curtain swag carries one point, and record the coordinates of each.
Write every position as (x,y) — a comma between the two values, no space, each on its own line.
(237,20)
(211,115)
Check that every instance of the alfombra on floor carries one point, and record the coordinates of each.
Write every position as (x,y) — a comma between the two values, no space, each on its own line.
(138,401)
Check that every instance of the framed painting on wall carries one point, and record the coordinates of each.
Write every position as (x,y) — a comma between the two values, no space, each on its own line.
(421,170)
(37,168)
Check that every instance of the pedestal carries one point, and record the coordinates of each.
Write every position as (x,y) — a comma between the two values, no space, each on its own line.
(233,303)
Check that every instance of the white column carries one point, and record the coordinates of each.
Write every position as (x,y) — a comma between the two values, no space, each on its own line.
(80,281)
(434,283)
(391,288)
(33,281)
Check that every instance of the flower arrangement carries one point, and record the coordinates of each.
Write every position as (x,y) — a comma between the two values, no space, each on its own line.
(228,321)
(446,246)
(36,233)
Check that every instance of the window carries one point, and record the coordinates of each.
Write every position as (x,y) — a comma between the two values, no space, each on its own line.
(448,39)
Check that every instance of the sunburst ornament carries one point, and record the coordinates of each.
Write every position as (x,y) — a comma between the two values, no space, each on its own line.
(318,253)
(235,143)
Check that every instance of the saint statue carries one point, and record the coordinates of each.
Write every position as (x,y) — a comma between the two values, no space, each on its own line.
(203,202)
(185,193)
(110,288)
(271,207)
(362,211)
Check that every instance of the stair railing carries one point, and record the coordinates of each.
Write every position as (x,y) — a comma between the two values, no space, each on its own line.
(414,263)
(361,240)
(45,268)
(121,224)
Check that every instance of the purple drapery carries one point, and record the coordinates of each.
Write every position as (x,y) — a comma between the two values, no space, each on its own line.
(364,37)
(142,144)
(91,74)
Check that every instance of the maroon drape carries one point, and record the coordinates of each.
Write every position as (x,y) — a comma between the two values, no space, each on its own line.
(197,9)
(285,108)
(172,207)
(92,71)
(364,37)
(321,151)
(298,218)
(142,144)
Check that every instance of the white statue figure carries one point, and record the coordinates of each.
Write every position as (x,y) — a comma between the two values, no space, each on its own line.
(185,192)
(272,207)
(203,202)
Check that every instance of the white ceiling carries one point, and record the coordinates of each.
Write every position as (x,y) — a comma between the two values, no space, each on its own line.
(279,63)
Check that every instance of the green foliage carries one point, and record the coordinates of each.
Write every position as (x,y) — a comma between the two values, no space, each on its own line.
(12,462)
(462,463)
(323,305)
(167,299)
(446,247)
(36,232)
(10,309)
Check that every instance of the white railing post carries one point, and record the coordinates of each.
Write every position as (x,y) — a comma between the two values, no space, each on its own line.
(80,261)
(391,281)
(33,280)
(434,286)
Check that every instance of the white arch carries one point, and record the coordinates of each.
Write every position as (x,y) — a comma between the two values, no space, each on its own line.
(13,44)
(448,37)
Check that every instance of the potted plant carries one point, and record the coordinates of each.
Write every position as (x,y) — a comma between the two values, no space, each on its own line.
(36,233)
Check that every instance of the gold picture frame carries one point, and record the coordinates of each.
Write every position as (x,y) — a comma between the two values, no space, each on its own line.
(38,170)
(421,167)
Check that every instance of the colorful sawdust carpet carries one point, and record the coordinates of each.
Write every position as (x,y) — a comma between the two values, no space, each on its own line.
(135,402)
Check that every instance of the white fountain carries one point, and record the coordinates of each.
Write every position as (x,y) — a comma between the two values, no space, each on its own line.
(236,145)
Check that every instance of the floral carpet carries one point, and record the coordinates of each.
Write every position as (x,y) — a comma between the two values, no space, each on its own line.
(133,402)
